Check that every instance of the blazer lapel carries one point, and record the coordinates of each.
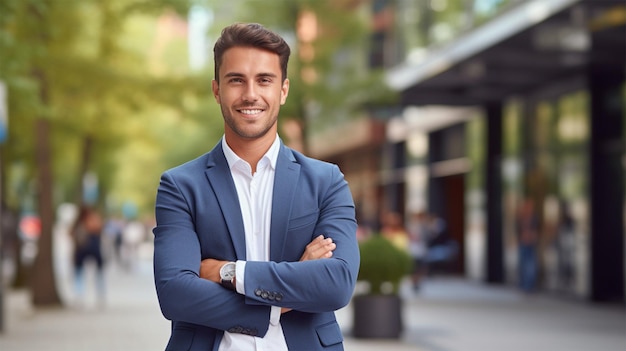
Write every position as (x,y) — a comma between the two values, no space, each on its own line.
(221,181)
(285,182)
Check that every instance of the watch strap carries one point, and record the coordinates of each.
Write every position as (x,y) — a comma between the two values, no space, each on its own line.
(228,284)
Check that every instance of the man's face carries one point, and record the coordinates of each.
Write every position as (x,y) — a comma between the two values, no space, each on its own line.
(250,92)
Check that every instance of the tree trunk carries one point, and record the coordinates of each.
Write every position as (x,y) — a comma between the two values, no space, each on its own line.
(42,280)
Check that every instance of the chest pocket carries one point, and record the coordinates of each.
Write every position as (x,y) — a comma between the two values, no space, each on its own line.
(307,220)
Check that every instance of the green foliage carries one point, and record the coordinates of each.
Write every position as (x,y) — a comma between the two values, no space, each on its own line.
(383,263)
(89,68)
(101,74)
(88,84)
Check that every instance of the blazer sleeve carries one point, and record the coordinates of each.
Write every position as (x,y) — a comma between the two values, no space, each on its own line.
(182,294)
(319,285)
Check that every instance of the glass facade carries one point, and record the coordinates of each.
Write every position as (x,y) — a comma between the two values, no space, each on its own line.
(548,161)
(571,238)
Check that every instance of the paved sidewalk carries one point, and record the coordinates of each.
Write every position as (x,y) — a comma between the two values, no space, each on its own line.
(446,315)
(130,320)
(451,314)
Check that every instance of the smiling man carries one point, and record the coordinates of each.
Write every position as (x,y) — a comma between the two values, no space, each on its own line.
(255,243)
(250,93)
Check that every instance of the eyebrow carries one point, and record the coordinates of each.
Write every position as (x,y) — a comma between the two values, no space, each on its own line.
(236,74)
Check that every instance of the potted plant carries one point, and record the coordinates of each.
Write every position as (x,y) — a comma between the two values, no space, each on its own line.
(378,312)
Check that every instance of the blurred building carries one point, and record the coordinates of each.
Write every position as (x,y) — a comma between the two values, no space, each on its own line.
(502,100)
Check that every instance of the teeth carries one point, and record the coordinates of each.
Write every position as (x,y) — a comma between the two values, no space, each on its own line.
(250,112)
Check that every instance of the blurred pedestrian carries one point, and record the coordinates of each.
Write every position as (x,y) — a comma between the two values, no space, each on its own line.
(566,245)
(443,250)
(438,235)
(255,245)
(393,229)
(528,234)
(418,229)
(86,233)
(113,230)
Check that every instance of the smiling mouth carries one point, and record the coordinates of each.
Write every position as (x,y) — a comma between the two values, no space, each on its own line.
(250,111)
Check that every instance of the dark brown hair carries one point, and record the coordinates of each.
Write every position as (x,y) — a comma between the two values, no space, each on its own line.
(251,35)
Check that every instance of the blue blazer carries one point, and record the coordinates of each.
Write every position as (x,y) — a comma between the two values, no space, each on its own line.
(198,216)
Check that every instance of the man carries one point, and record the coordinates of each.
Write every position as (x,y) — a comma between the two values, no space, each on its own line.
(255,244)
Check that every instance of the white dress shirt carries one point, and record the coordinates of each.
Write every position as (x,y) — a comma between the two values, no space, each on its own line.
(255,198)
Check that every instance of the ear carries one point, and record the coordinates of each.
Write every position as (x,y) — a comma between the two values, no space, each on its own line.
(216,90)
(284,91)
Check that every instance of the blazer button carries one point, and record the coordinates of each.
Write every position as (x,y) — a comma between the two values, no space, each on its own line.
(278,296)
(264,295)
(258,292)
(271,296)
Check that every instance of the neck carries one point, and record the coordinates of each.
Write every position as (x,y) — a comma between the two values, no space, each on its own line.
(251,150)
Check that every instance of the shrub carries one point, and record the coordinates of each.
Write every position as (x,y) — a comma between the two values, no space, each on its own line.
(382,264)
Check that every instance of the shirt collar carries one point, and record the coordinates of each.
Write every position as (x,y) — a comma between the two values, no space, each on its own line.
(271,155)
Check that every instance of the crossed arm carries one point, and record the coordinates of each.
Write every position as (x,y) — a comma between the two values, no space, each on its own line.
(315,285)
(320,247)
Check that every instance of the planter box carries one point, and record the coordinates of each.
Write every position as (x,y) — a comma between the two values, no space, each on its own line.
(377,316)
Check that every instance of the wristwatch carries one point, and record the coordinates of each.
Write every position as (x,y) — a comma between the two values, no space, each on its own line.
(227,274)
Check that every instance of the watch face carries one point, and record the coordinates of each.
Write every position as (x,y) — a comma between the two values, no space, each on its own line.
(227,272)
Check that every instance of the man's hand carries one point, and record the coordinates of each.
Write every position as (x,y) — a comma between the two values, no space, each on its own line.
(318,248)
(210,269)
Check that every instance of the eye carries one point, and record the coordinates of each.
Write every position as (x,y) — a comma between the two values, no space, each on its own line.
(235,80)
(265,80)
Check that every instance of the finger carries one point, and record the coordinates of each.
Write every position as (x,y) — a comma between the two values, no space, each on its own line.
(324,251)
(330,248)
(319,244)
(319,247)
(315,242)
(324,246)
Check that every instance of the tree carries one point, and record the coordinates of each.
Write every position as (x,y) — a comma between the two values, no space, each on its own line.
(72,81)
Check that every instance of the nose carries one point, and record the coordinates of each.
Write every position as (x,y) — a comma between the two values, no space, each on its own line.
(250,93)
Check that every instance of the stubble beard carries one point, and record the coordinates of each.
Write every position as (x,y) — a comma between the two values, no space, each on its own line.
(247,133)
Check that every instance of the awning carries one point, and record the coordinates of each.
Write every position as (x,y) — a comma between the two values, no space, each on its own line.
(535,43)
